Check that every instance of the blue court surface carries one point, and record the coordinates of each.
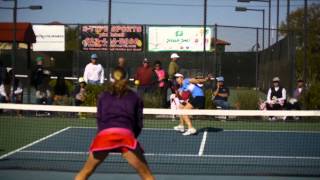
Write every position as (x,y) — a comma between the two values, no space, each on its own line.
(210,153)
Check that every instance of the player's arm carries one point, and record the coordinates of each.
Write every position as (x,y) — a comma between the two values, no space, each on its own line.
(199,81)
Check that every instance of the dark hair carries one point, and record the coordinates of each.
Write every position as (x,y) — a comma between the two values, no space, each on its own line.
(157,62)
(120,85)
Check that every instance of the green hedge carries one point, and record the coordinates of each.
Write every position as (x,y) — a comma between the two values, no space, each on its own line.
(247,100)
(311,98)
(244,99)
(92,93)
(151,100)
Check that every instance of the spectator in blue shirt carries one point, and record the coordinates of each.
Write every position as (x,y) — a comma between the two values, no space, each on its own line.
(221,94)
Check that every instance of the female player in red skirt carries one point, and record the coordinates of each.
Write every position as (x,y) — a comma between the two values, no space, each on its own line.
(119,121)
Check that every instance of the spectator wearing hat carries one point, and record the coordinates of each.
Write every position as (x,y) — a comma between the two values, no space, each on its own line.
(40,78)
(276,97)
(38,75)
(80,92)
(173,66)
(221,94)
(44,91)
(94,72)
(145,78)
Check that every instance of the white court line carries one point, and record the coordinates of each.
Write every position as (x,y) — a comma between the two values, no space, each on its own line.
(169,129)
(203,143)
(187,155)
(33,143)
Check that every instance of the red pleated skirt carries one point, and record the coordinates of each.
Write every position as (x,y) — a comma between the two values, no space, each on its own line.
(114,140)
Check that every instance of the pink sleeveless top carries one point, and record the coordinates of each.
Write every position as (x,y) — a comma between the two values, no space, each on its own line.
(161,75)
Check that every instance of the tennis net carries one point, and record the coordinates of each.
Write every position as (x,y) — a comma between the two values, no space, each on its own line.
(228,142)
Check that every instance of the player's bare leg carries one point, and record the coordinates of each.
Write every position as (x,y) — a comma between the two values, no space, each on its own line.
(138,162)
(186,118)
(92,162)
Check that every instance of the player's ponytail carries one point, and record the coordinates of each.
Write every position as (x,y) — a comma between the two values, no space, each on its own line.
(120,85)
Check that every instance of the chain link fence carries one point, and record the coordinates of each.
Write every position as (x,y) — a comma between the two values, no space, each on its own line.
(241,58)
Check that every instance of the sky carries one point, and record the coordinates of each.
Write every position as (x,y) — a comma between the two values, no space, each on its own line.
(181,12)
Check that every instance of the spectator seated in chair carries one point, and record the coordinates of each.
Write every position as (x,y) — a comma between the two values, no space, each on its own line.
(276,97)
(80,92)
(294,102)
(220,94)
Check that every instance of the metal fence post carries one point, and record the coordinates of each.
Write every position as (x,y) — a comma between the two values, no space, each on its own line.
(215,48)
(204,36)
(257,58)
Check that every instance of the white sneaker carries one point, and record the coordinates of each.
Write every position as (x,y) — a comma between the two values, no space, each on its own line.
(179,128)
(296,118)
(272,118)
(190,131)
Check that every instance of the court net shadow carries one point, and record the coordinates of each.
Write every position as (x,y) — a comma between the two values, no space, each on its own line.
(210,129)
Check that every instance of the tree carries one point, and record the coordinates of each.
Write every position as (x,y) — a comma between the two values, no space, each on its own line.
(313,51)
(72,38)
(311,98)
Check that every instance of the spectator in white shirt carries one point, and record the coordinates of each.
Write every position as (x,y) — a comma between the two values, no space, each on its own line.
(276,98)
(94,72)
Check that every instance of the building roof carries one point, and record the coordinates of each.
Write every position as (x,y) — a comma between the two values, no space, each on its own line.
(24,33)
(220,42)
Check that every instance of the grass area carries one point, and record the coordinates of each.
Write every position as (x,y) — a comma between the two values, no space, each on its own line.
(17,132)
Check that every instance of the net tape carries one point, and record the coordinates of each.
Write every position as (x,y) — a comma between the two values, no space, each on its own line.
(158,111)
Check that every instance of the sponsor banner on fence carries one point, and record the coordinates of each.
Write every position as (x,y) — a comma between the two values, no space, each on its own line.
(49,38)
(123,38)
(176,38)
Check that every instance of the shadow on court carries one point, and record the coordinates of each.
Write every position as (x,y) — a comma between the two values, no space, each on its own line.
(210,129)
(50,175)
